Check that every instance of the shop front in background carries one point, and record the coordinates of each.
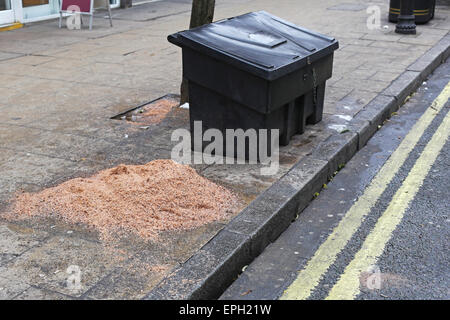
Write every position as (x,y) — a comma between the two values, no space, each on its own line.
(32,10)
(6,12)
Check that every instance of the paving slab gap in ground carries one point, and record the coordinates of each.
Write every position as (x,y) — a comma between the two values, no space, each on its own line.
(60,88)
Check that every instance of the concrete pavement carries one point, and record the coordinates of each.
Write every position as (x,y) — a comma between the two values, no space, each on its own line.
(59,89)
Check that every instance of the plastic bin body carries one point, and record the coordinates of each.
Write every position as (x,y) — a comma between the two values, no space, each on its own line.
(423,10)
(256,71)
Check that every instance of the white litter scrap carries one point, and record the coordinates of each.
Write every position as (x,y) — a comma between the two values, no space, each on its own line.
(344,117)
(185,106)
(338,127)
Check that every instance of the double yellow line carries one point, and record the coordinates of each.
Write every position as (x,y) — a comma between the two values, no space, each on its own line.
(347,286)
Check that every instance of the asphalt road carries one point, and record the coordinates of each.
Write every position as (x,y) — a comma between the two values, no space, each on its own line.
(380,229)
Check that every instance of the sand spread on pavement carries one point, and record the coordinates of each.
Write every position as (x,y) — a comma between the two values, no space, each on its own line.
(152,113)
(145,199)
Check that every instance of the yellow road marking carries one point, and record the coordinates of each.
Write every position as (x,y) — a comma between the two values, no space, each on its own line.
(348,285)
(13,26)
(415,10)
(324,257)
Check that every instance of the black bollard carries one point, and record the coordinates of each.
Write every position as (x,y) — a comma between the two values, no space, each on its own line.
(406,20)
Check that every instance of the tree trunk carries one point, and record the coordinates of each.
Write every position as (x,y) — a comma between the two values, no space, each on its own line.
(202,13)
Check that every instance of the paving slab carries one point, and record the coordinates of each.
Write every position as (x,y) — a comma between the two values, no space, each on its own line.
(33,293)
(47,266)
(16,239)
